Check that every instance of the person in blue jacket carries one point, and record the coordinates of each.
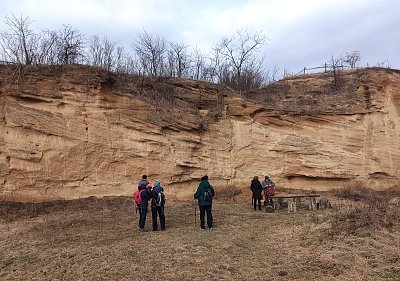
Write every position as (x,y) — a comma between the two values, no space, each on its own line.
(204,195)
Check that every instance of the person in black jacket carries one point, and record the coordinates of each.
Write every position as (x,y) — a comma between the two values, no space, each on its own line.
(145,194)
(143,182)
(256,188)
(157,205)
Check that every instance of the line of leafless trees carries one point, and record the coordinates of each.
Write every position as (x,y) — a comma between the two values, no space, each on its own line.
(235,61)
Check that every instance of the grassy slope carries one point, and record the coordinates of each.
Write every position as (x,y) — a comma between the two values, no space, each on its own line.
(98,240)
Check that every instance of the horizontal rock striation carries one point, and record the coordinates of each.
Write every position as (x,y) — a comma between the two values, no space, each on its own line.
(68,132)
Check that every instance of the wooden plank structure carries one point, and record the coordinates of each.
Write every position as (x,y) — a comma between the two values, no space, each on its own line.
(292,200)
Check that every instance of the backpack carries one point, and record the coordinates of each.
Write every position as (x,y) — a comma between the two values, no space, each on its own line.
(160,200)
(270,190)
(137,197)
(208,196)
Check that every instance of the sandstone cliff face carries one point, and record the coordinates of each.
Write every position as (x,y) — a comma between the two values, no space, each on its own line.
(71,132)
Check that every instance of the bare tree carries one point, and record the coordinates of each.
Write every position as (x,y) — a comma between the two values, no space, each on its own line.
(217,67)
(70,45)
(240,57)
(178,59)
(109,50)
(150,50)
(18,43)
(272,75)
(198,64)
(233,61)
(336,64)
(47,48)
(123,61)
(352,58)
(95,51)
(101,53)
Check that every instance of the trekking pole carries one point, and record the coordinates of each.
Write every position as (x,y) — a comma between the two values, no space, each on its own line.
(195,215)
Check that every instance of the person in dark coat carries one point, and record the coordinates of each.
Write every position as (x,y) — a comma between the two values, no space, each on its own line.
(143,182)
(204,194)
(146,195)
(256,188)
(157,207)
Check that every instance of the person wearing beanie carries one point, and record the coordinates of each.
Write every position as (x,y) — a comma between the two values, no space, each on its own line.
(266,184)
(157,205)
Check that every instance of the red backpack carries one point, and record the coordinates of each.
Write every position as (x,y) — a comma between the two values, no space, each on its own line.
(137,196)
(270,191)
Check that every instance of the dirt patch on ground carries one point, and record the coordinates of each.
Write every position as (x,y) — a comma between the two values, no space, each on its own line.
(98,239)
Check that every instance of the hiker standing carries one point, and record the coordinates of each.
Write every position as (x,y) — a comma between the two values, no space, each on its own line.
(143,182)
(256,188)
(137,195)
(157,205)
(145,197)
(268,189)
(204,195)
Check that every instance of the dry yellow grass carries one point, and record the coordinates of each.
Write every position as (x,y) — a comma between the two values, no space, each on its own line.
(98,239)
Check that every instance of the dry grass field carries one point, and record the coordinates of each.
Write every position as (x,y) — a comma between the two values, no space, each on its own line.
(98,239)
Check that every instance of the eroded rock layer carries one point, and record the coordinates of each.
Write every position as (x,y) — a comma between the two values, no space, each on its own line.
(72,132)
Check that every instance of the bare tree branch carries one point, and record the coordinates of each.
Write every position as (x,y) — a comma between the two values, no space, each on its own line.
(235,59)
(18,42)
(70,45)
(150,50)
(352,58)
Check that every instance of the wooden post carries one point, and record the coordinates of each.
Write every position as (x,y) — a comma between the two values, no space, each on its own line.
(313,204)
(291,205)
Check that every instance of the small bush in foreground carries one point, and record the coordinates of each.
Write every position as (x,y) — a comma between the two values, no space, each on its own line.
(361,219)
(373,211)
(367,196)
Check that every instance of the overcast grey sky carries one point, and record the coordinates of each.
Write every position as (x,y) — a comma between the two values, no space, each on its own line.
(301,32)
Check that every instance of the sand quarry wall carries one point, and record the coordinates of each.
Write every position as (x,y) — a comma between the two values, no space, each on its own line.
(72,132)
